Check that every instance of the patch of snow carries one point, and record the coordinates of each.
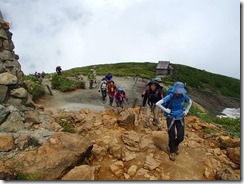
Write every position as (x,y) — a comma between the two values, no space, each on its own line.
(230,113)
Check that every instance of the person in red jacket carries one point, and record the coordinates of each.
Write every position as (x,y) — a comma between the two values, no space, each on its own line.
(120,96)
(111,91)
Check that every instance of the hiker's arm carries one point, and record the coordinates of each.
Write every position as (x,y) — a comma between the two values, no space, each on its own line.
(188,107)
(159,104)
(99,87)
(144,100)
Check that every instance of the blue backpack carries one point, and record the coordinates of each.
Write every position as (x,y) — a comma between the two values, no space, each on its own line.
(169,104)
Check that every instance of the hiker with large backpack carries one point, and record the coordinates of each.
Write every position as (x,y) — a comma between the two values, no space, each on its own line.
(111,91)
(59,70)
(120,96)
(175,116)
(158,81)
(152,95)
(103,89)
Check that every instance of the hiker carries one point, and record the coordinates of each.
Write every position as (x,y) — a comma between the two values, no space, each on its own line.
(103,89)
(152,95)
(111,91)
(109,76)
(95,74)
(120,96)
(43,74)
(159,80)
(91,78)
(35,74)
(175,117)
(59,70)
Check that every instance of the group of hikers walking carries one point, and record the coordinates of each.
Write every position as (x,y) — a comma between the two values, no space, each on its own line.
(172,105)
(107,87)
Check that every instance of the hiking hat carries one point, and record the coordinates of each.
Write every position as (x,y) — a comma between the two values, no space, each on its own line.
(121,88)
(179,87)
(104,79)
(153,81)
(111,81)
(158,79)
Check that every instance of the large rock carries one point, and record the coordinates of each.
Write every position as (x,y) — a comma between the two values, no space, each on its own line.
(32,116)
(131,139)
(13,123)
(19,93)
(8,79)
(4,112)
(151,163)
(83,172)
(6,142)
(226,174)
(3,93)
(6,55)
(227,142)
(54,158)
(234,155)
(127,119)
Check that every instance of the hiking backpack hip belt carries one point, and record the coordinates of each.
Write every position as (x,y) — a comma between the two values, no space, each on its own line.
(173,121)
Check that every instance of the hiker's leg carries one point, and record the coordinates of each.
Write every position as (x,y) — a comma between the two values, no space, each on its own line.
(148,115)
(121,104)
(103,95)
(91,83)
(156,117)
(171,133)
(111,99)
(180,132)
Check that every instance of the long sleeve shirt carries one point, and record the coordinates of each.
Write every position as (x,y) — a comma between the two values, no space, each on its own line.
(177,109)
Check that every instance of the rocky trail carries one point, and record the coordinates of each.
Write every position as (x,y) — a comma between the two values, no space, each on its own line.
(73,136)
(142,153)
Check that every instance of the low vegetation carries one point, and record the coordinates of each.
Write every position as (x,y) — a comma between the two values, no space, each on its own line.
(67,126)
(28,176)
(64,83)
(229,124)
(35,87)
(200,80)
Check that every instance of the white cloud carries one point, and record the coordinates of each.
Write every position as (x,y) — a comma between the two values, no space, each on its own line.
(202,34)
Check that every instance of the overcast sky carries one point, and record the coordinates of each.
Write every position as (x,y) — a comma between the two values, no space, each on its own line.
(204,34)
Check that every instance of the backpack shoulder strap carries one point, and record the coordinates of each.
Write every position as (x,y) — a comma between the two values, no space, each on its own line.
(171,101)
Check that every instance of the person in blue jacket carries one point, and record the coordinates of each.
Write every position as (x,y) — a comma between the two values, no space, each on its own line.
(175,116)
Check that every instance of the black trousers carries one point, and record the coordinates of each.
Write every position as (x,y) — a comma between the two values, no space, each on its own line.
(176,134)
(104,94)
(111,99)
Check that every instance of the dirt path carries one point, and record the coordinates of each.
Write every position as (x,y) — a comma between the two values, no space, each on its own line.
(90,98)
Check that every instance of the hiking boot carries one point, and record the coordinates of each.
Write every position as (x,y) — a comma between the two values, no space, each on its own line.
(154,123)
(172,156)
(177,151)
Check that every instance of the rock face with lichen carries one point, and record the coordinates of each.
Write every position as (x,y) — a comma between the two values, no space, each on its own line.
(13,91)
